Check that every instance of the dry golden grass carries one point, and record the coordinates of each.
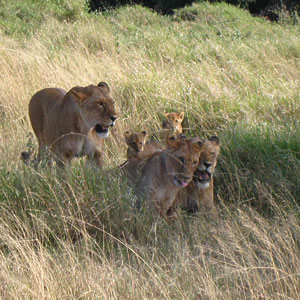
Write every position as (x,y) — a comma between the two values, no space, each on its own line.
(75,235)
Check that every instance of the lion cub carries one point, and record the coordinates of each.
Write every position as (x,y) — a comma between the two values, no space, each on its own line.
(166,172)
(171,125)
(173,122)
(135,142)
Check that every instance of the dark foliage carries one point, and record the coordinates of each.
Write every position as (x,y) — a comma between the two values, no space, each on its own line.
(266,8)
(162,6)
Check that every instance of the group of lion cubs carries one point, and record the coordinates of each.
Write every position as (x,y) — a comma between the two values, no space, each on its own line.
(171,174)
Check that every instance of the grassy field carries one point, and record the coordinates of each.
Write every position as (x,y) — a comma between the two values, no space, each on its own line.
(74,234)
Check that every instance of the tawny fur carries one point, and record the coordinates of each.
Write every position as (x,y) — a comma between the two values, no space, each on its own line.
(165,173)
(173,123)
(199,194)
(72,123)
(135,142)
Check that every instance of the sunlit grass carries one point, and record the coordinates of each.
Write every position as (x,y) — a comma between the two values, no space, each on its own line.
(75,234)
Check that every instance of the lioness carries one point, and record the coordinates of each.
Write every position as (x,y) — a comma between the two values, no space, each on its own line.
(135,143)
(73,123)
(173,122)
(200,191)
(166,172)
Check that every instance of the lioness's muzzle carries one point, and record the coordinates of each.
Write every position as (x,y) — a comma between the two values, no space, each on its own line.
(202,176)
(101,129)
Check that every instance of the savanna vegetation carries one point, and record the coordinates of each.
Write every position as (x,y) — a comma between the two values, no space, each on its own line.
(74,234)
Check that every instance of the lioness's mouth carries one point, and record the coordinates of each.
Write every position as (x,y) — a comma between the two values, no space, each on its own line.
(100,129)
(202,176)
(179,183)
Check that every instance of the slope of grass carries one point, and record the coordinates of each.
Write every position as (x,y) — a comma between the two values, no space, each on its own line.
(75,234)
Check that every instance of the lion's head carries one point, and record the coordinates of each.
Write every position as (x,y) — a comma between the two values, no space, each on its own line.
(207,162)
(96,107)
(181,160)
(136,140)
(173,122)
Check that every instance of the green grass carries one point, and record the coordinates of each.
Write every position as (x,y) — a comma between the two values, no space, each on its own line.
(75,234)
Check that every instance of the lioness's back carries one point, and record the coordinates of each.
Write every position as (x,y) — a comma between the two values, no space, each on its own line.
(42,103)
(45,98)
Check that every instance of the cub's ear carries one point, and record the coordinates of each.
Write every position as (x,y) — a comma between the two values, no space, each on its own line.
(144,133)
(165,114)
(105,86)
(127,137)
(79,93)
(215,140)
(181,115)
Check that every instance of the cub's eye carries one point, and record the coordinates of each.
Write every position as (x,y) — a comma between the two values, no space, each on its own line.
(195,162)
(176,121)
(181,159)
(100,104)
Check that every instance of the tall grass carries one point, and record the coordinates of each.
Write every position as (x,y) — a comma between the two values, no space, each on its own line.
(74,234)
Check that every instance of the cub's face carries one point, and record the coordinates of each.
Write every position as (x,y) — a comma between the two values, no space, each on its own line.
(181,161)
(173,122)
(96,107)
(136,141)
(207,163)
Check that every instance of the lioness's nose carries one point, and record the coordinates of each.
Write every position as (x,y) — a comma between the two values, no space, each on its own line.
(207,165)
(113,118)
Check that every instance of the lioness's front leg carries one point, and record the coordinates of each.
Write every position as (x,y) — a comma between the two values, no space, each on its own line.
(165,209)
(97,158)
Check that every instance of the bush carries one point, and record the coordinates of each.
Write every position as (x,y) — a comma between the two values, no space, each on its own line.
(272,9)
(162,6)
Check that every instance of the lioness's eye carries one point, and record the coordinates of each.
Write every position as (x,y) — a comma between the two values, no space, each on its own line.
(100,103)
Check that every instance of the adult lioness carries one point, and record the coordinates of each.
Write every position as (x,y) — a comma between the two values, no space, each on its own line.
(164,173)
(73,123)
(199,193)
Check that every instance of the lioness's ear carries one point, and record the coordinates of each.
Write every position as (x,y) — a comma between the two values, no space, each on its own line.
(144,133)
(200,144)
(171,141)
(198,141)
(104,85)
(181,115)
(215,140)
(79,92)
